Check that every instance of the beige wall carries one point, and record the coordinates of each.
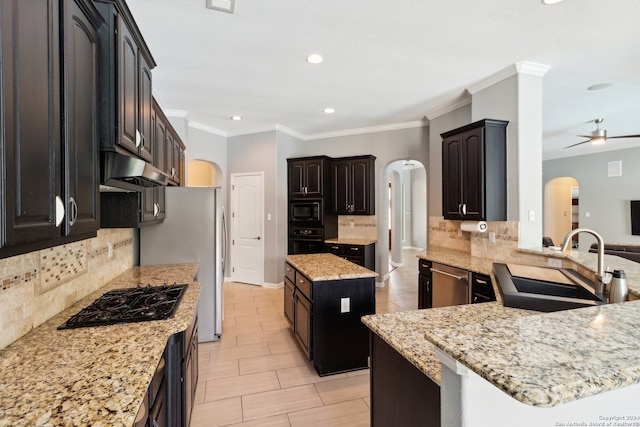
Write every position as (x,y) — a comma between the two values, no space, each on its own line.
(38,285)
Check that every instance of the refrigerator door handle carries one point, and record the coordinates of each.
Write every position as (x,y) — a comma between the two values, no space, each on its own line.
(224,243)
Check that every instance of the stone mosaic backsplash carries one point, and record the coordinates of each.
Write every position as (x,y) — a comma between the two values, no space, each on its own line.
(357,227)
(447,234)
(38,285)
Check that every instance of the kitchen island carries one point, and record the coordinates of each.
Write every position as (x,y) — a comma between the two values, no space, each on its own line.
(324,298)
(530,368)
(91,376)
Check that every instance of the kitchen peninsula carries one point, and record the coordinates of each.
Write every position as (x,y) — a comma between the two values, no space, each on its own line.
(324,298)
(96,375)
(530,368)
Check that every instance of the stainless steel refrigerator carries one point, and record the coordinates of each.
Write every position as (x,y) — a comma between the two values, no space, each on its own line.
(193,231)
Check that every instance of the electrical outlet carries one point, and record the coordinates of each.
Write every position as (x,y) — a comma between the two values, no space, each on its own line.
(345,305)
(532,215)
(110,250)
(351,224)
(554,262)
(492,237)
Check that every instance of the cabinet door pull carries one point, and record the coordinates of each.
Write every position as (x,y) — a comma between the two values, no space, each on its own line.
(464,209)
(138,138)
(173,172)
(482,282)
(156,209)
(59,211)
(433,270)
(74,211)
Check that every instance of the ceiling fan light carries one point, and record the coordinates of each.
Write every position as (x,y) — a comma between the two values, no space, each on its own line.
(551,1)
(598,136)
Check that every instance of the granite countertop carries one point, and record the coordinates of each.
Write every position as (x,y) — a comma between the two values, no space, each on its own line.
(340,241)
(91,376)
(405,331)
(545,359)
(540,359)
(321,267)
(585,259)
(590,260)
(458,259)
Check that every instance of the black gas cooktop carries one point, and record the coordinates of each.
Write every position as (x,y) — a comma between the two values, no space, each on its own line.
(137,304)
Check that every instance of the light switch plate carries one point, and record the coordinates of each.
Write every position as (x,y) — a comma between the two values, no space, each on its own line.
(345,305)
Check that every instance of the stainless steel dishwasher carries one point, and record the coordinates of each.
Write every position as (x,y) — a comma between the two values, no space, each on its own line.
(450,286)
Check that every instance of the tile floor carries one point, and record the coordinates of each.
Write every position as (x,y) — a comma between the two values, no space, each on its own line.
(256,375)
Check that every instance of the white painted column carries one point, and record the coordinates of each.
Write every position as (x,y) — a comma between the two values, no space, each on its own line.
(515,94)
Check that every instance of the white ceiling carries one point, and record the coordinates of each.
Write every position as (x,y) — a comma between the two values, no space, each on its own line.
(389,63)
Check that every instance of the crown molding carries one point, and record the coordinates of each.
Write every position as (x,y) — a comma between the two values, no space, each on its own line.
(465,99)
(532,68)
(206,128)
(290,132)
(184,114)
(522,67)
(372,129)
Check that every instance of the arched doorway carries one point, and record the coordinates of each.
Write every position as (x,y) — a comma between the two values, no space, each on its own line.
(561,208)
(407,204)
(201,173)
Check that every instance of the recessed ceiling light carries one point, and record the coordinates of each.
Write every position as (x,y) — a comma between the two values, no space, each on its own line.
(329,110)
(599,86)
(236,118)
(315,58)
(551,1)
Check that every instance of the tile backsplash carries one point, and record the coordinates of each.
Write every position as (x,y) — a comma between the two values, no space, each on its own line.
(38,285)
(446,233)
(357,227)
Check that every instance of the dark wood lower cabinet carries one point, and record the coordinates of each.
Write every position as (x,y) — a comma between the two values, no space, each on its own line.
(325,318)
(424,284)
(401,395)
(364,255)
(181,375)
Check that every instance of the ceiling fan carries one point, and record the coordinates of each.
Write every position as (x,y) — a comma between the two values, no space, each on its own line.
(599,136)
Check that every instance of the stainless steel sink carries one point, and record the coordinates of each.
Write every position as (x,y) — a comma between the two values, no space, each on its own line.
(543,295)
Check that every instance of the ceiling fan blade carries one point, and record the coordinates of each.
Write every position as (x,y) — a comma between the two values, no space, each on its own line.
(624,136)
(584,136)
(579,143)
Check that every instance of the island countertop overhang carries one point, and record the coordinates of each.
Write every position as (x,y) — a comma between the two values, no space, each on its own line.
(322,267)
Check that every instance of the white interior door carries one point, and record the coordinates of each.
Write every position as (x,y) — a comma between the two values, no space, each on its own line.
(247,228)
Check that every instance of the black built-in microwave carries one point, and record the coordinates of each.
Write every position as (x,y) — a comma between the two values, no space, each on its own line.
(305,210)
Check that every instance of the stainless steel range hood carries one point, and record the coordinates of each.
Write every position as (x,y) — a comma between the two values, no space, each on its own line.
(129,173)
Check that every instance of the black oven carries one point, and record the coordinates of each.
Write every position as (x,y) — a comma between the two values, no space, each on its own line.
(303,240)
(305,211)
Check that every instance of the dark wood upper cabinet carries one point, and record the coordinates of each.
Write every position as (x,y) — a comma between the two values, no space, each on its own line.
(82,171)
(474,171)
(308,176)
(125,83)
(49,135)
(31,143)
(354,185)
(168,147)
